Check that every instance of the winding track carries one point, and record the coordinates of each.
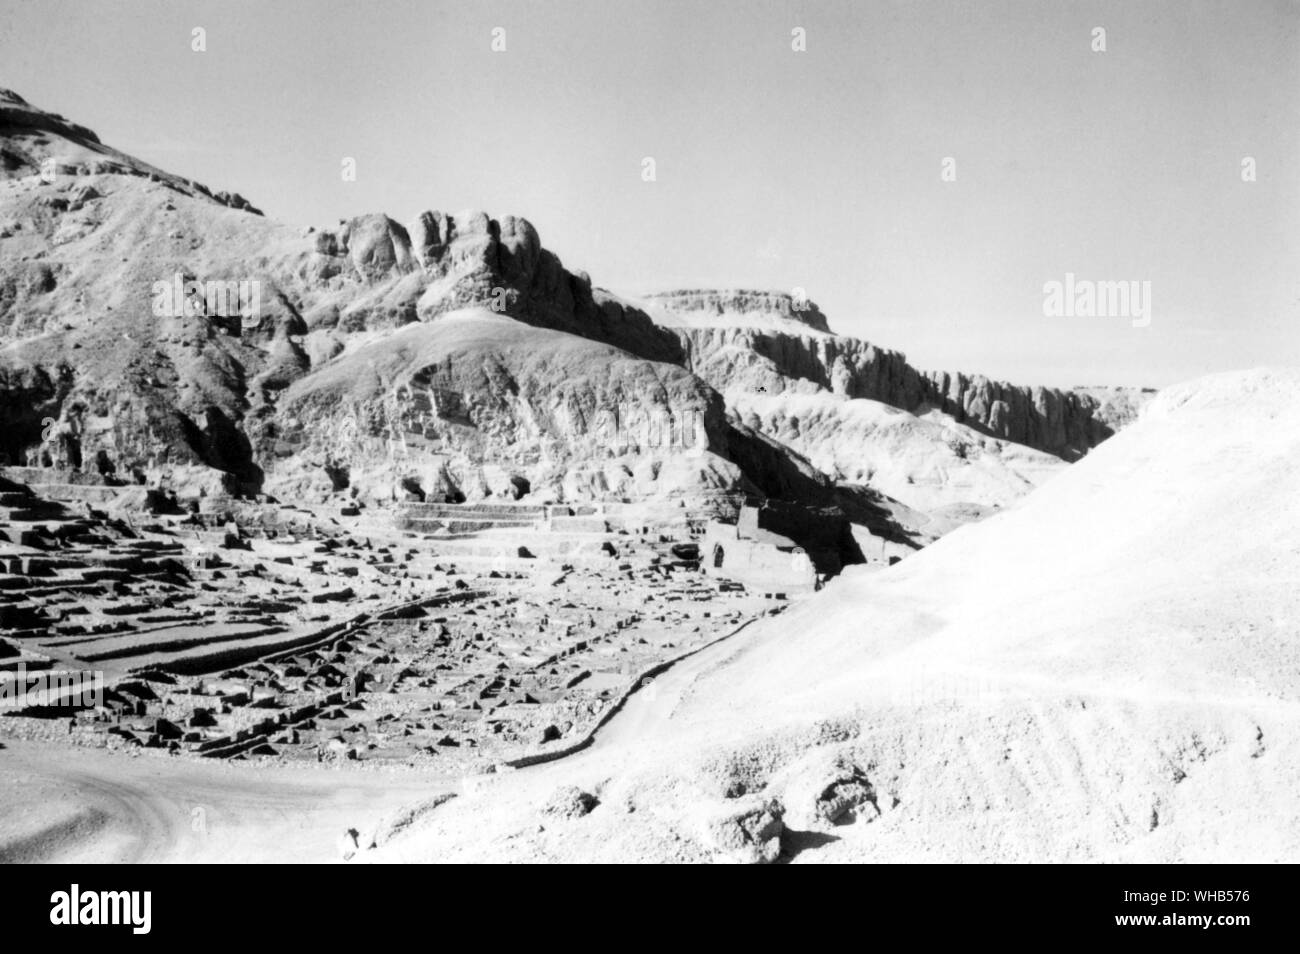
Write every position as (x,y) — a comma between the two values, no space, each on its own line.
(69,804)
(119,808)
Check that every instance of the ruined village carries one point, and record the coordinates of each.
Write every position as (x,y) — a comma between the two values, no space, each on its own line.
(469,636)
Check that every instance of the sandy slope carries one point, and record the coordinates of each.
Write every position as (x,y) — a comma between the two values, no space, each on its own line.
(1107,671)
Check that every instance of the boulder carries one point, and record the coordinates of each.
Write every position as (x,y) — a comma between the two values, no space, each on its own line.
(745,831)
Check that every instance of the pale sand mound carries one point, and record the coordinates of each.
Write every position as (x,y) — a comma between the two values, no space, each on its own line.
(1106,671)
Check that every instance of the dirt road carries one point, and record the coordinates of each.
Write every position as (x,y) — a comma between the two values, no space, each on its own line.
(61,803)
(66,804)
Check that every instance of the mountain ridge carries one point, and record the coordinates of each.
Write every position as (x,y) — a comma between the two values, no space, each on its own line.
(211,403)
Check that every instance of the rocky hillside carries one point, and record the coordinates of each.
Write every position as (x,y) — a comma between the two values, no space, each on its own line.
(769,341)
(34,141)
(862,414)
(1100,674)
(157,332)
(454,354)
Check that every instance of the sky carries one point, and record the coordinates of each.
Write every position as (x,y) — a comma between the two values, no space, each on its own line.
(820,168)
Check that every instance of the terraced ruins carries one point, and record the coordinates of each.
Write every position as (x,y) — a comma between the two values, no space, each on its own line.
(433,549)
(452,635)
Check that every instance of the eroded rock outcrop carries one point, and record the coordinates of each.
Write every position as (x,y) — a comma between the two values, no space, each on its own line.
(728,307)
(772,342)
(163,334)
(518,374)
(475,404)
(444,262)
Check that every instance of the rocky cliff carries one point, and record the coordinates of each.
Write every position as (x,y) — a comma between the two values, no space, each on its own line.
(155,331)
(773,342)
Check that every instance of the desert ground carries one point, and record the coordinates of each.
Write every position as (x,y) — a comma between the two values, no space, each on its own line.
(1118,684)
(1104,672)
(246,687)
(406,542)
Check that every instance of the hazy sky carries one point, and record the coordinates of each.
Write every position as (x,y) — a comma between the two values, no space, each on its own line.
(777,169)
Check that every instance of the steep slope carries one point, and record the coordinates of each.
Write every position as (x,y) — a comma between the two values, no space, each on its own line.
(477,404)
(1107,670)
(35,142)
(863,414)
(156,332)
(762,339)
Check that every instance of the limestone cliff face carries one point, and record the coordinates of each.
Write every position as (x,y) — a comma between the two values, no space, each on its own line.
(728,307)
(453,355)
(374,273)
(774,361)
(477,405)
(1065,423)
(770,344)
